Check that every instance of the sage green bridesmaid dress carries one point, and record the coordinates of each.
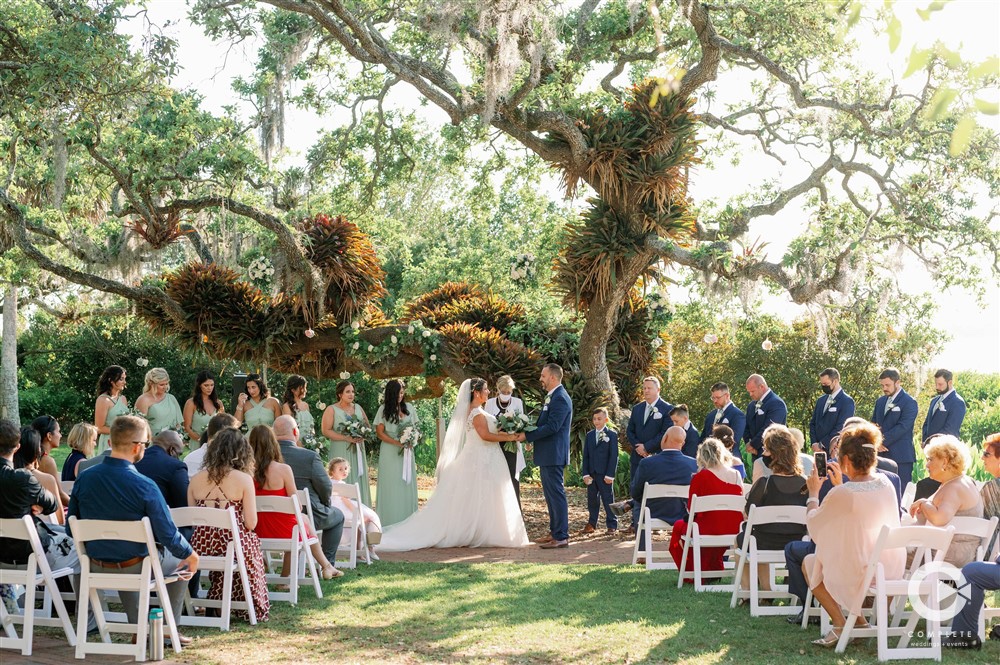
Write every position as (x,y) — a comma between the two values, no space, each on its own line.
(118,408)
(350,453)
(165,414)
(396,499)
(199,423)
(258,414)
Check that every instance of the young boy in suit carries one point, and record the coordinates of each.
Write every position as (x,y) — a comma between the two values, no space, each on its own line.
(600,462)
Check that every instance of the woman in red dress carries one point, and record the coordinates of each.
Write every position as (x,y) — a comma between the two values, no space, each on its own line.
(717,476)
(272,477)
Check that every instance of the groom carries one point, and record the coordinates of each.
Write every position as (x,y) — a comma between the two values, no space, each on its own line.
(551,439)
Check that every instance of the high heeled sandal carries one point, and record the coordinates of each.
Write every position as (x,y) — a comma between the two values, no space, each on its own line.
(330,573)
(829,641)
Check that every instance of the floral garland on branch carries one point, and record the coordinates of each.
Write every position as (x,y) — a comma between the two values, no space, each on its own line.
(414,335)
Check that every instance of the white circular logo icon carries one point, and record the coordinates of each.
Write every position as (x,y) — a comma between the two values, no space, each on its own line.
(951,597)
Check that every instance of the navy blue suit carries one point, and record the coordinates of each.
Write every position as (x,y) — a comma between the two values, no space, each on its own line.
(600,461)
(551,439)
(648,433)
(668,467)
(897,432)
(732,418)
(169,473)
(828,420)
(773,410)
(947,419)
(691,440)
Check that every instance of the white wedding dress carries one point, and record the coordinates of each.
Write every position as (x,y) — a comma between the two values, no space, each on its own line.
(474,504)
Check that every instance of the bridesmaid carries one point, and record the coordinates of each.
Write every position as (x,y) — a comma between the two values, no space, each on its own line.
(340,444)
(198,410)
(111,403)
(157,405)
(397,499)
(256,406)
(294,404)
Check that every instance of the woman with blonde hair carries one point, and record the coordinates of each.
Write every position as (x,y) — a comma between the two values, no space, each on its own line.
(716,476)
(157,405)
(957,496)
(82,441)
(506,402)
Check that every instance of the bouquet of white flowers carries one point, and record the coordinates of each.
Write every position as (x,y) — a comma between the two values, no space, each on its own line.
(260,269)
(354,428)
(513,422)
(313,443)
(522,268)
(409,439)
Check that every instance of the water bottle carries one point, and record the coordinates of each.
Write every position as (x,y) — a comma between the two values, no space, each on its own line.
(156,634)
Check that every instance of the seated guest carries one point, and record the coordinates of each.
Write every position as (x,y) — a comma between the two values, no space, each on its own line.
(846,527)
(83,465)
(680,416)
(761,466)
(225,482)
(114,490)
(216,424)
(716,477)
(958,496)
(272,477)
(926,486)
(27,457)
(668,467)
(82,441)
(21,494)
(785,486)
(51,436)
(161,465)
(980,576)
(727,436)
(990,491)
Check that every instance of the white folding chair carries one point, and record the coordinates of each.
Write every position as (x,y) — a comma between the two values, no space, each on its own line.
(307,511)
(229,564)
(978,527)
(355,540)
(149,578)
(647,524)
(296,548)
(746,489)
(36,572)
(694,540)
(750,555)
(931,544)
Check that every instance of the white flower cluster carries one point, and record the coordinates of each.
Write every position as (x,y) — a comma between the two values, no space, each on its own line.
(260,269)
(522,267)
(142,362)
(657,302)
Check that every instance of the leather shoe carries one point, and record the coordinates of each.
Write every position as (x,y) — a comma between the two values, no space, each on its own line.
(641,561)
(797,620)
(590,528)
(544,539)
(555,544)
(612,529)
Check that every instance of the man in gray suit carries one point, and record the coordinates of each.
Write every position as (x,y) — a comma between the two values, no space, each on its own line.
(310,475)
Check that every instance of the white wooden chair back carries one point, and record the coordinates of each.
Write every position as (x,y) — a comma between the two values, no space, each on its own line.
(751,557)
(647,524)
(36,572)
(980,528)
(296,548)
(231,563)
(149,578)
(693,540)
(354,541)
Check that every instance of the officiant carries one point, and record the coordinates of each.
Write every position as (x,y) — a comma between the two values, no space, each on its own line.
(502,403)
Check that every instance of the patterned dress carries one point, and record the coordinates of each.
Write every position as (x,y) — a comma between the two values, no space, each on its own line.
(354,454)
(209,541)
(119,407)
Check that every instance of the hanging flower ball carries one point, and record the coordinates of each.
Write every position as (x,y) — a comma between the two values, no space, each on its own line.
(310,333)
(355,325)
(657,343)
(426,333)
(433,357)
(142,362)
(321,406)
(345,375)
(711,339)
(394,339)
(767,345)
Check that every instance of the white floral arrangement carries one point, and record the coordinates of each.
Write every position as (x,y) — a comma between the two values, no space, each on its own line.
(314,444)
(260,270)
(409,438)
(657,302)
(522,268)
(142,362)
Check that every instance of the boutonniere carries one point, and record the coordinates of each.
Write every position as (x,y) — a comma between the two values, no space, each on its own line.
(602,437)
(548,398)
(833,403)
(654,410)
(889,406)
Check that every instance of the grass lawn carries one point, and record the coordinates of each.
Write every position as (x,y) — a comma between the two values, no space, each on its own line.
(525,613)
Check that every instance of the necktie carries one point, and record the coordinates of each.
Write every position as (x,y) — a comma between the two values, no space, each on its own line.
(888,405)
(649,409)
(718,416)
(826,406)
(940,403)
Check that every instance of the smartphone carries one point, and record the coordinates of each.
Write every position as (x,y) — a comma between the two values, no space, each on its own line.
(820,464)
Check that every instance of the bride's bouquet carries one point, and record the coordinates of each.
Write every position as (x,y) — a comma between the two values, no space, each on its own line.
(354,428)
(409,439)
(513,422)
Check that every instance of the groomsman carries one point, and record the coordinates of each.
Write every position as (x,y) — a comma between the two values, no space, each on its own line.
(947,410)
(647,425)
(895,413)
(725,413)
(681,417)
(764,410)
(832,409)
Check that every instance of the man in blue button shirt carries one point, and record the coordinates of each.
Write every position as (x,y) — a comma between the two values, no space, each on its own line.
(114,490)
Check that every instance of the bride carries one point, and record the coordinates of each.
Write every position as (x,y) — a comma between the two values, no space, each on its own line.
(474,503)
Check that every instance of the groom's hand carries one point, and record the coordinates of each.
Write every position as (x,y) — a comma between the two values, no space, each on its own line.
(640,450)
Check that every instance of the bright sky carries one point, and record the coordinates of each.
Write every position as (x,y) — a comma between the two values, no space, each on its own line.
(972,27)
